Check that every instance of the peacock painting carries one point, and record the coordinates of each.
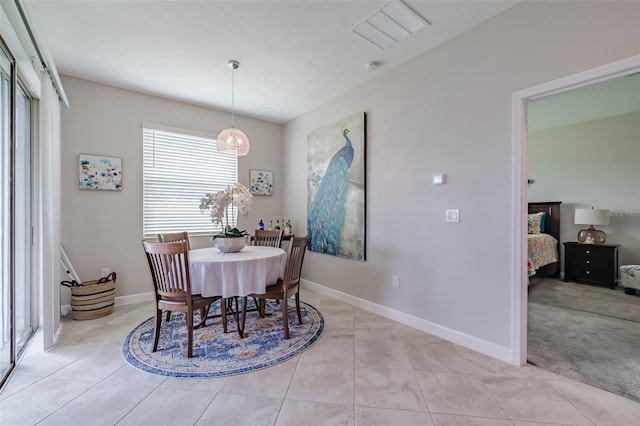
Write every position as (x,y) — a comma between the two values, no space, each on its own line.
(335,219)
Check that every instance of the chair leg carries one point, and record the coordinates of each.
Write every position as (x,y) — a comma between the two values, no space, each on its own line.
(285,318)
(298,307)
(262,305)
(168,314)
(156,336)
(190,332)
(244,313)
(203,315)
(257,301)
(223,313)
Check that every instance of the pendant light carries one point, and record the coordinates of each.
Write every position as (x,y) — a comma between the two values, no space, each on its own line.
(232,141)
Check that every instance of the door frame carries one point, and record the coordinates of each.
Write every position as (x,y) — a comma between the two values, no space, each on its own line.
(519,188)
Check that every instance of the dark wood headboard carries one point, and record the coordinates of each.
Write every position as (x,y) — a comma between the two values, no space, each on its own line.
(552,219)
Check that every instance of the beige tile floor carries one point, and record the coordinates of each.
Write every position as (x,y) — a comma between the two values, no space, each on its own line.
(364,370)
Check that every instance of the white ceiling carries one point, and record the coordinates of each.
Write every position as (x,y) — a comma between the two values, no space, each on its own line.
(617,96)
(294,55)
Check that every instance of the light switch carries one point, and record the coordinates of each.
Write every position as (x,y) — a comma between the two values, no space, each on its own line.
(452,215)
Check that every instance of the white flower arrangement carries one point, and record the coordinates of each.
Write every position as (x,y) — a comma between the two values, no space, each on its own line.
(234,196)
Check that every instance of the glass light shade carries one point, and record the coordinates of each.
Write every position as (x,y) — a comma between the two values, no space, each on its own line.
(232,141)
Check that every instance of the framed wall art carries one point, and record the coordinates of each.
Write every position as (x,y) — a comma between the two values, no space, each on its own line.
(336,188)
(100,172)
(261,182)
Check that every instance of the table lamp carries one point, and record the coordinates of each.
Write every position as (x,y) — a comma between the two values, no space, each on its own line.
(591,217)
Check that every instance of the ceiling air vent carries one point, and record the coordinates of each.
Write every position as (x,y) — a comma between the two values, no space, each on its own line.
(392,23)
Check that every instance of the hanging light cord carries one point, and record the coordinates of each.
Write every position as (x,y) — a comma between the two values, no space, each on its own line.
(233,103)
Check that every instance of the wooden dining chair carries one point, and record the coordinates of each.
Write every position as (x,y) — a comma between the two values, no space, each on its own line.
(267,238)
(170,237)
(184,236)
(169,265)
(288,286)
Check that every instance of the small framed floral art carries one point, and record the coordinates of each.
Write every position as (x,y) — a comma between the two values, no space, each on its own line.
(261,182)
(100,172)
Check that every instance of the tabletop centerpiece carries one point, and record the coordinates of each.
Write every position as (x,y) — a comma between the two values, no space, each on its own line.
(222,204)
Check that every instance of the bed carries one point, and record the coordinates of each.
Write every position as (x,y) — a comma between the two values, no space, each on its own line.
(543,241)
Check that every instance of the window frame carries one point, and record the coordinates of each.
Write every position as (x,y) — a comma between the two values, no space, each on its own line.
(179,168)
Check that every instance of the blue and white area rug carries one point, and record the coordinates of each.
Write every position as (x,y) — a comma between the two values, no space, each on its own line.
(217,354)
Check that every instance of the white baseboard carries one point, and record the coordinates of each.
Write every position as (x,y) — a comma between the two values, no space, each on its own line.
(135,298)
(487,348)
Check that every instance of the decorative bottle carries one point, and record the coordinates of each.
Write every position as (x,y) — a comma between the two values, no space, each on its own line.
(261,225)
(277,225)
(290,227)
(271,225)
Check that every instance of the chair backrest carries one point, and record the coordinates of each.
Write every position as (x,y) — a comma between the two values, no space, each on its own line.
(267,238)
(170,237)
(295,256)
(169,265)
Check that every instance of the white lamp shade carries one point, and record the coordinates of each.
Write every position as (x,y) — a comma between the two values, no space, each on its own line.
(591,217)
(232,141)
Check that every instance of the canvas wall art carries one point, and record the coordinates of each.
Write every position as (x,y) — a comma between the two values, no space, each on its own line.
(336,188)
(100,172)
(261,182)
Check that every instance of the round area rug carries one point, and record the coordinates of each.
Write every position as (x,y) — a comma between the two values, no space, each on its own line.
(217,354)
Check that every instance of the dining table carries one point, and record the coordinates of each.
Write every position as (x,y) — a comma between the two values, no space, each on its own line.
(233,275)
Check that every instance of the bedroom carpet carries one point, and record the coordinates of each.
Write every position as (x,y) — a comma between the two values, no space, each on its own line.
(587,333)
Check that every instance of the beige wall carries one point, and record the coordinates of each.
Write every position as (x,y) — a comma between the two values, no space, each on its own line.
(449,110)
(104,228)
(592,164)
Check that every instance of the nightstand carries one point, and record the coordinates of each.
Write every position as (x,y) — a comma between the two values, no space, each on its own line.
(591,263)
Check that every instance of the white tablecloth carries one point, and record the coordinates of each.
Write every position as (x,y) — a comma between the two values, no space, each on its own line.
(215,273)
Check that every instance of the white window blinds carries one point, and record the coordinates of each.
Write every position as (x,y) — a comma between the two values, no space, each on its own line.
(179,168)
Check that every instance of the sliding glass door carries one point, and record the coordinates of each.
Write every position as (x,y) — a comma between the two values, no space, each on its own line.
(7,355)
(17,295)
(23,241)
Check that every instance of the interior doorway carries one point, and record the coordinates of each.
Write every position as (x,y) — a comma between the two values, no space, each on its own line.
(520,101)
(583,149)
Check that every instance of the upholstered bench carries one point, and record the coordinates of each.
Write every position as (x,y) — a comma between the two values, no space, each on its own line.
(630,278)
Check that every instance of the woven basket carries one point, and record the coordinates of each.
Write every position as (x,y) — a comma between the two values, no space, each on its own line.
(93,299)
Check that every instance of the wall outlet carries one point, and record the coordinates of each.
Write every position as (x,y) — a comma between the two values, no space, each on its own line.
(396,281)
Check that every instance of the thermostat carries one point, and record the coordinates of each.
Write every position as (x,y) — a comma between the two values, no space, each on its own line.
(439,178)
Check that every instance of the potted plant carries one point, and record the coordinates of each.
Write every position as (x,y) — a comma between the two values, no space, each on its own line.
(222,204)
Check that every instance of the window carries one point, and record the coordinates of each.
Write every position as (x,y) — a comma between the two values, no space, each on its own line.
(179,168)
